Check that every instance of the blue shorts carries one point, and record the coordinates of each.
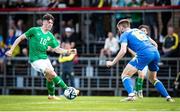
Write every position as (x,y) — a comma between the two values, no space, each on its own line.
(150,59)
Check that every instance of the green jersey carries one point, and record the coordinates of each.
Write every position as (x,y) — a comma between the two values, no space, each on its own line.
(39,42)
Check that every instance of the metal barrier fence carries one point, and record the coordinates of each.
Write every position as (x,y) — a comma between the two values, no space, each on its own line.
(85,21)
(19,78)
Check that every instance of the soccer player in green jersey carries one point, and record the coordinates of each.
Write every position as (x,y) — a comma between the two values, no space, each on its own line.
(40,40)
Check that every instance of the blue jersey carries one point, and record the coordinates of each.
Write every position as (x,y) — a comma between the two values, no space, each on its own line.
(137,40)
(146,53)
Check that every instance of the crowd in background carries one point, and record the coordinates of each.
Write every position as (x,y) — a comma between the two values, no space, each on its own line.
(161,29)
(77,3)
(99,25)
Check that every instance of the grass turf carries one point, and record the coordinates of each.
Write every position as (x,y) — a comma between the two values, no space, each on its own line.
(85,103)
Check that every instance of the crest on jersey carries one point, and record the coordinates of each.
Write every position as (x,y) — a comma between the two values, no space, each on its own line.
(48,38)
(38,34)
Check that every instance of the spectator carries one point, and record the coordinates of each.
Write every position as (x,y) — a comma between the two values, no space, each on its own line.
(39,22)
(68,37)
(19,28)
(57,4)
(98,26)
(20,3)
(12,23)
(135,17)
(2,53)
(42,3)
(150,18)
(171,41)
(110,48)
(165,16)
(67,66)
(10,40)
(98,21)
(25,52)
(119,3)
(73,3)
(97,3)
(117,15)
(57,36)
(175,2)
(71,20)
(53,3)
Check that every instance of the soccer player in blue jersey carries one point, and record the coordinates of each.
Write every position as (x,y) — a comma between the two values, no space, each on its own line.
(146,54)
(141,74)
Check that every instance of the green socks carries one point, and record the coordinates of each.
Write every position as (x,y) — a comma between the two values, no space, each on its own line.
(51,85)
(139,84)
(51,88)
(59,82)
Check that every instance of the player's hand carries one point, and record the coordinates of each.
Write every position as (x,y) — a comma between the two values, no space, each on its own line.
(109,63)
(9,53)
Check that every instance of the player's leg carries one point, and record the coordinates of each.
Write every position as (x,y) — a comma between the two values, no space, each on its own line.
(137,63)
(51,90)
(51,87)
(152,73)
(51,75)
(139,82)
(139,85)
(159,85)
(44,66)
(40,66)
(126,80)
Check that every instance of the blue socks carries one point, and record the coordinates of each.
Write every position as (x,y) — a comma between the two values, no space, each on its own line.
(160,87)
(128,84)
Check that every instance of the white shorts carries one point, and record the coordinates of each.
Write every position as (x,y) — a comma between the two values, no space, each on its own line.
(41,65)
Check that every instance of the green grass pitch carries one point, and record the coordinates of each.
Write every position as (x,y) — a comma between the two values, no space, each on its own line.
(86,103)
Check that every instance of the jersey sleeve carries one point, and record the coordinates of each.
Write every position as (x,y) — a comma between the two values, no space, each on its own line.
(29,33)
(53,43)
(123,38)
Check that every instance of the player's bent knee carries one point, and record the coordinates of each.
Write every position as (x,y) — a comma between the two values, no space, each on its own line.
(152,80)
(48,79)
(123,76)
(50,73)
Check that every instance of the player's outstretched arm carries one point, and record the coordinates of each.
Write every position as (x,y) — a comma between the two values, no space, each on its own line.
(64,51)
(17,41)
(121,53)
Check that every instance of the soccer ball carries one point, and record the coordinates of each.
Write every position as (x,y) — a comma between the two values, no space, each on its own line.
(70,93)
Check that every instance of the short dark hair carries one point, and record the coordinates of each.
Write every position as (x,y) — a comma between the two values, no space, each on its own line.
(48,17)
(146,27)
